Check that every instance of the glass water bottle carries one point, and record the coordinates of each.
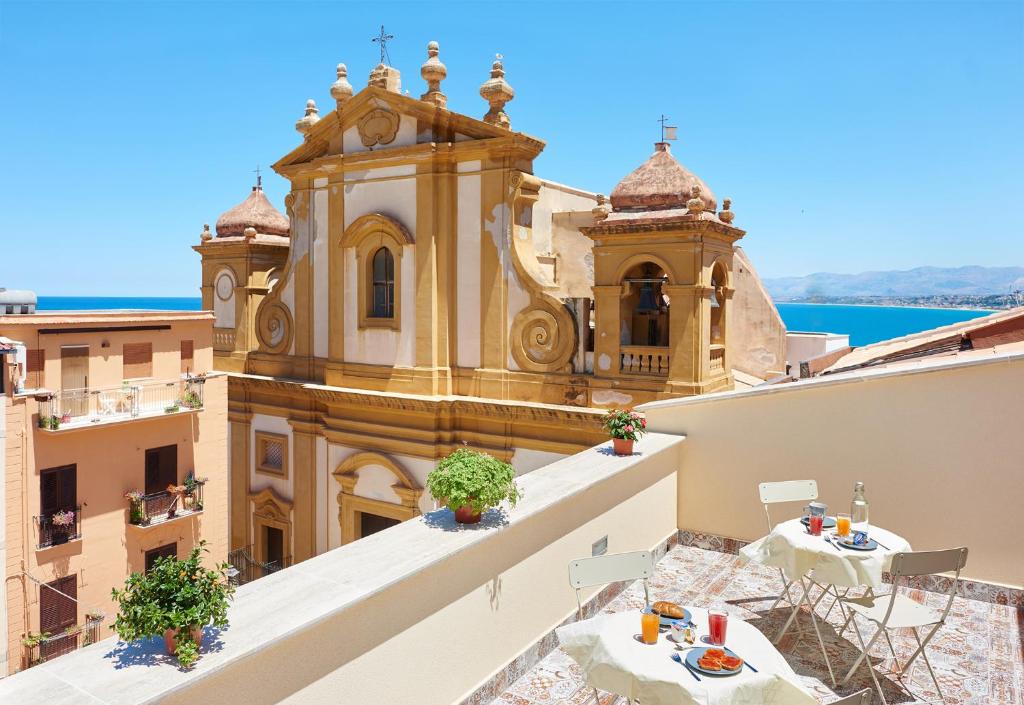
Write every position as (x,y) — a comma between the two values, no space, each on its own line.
(859,509)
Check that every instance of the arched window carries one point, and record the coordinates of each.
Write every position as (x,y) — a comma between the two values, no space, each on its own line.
(382,295)
(645,308)
(716,332)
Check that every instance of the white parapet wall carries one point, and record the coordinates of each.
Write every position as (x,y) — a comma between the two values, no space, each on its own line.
(940,448)
(422,613)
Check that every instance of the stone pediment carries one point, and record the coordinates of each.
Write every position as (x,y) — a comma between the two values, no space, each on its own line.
(377,119)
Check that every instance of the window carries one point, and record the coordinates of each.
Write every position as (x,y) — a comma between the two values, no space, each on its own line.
(372,523)
(161,468)
(34,362)
(168,551)
(273,546)
(137,361)
(58,610)
(272,454)
(383,284)
(187,356)
(58,490)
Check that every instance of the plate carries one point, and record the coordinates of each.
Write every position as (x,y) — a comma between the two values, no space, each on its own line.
(871,545)
(829,523)
(694,654)
(667,621)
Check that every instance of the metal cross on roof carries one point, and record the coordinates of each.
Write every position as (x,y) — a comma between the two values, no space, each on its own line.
(259,179)
(383,40)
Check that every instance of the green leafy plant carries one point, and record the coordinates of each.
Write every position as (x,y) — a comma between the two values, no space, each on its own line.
(33,640)
(625,424)
(192,400)
(467,477)
(174,594)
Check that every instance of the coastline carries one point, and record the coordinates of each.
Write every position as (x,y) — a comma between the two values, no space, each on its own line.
(915,306)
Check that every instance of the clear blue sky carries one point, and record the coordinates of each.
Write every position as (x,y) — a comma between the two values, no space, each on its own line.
(851,135)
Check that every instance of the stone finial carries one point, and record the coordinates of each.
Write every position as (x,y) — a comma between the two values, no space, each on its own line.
(601,210)
(725,215)
(206,234)
(341,90)
(311,117)
(696,204)
(496,91)
(249,233)
(433,72)
(387,77)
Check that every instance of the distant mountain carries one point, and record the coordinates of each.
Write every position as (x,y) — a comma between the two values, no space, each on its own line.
(921,281)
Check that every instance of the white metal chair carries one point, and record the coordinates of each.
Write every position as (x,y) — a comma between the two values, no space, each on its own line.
(861,697)
(777,493)
(612,568)
(895,611)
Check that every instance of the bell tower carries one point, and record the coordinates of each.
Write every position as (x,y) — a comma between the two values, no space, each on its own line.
(663,262)
(240,266)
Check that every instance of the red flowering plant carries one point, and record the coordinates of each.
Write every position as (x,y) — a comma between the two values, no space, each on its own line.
(625,424)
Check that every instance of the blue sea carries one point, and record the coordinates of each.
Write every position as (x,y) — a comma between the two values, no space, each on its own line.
(864,324)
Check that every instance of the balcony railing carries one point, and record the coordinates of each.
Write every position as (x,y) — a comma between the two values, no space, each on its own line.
(50,646)
(644,360)
(224,339)
(81,407)
(158,507)
(250,569)
(55,529)
(717,358)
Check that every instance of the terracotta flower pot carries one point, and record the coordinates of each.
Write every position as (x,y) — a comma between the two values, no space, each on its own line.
(170,634)
(466,515)
(622,446)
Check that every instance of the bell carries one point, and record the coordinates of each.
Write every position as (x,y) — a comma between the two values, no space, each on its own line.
(648,301)
(714,298)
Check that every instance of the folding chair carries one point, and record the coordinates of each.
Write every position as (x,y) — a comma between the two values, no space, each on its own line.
(861,697)
(776,493)
(895,611)
(612,568)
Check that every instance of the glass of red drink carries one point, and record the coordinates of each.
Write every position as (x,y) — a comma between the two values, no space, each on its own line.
(717,622)
(814,523)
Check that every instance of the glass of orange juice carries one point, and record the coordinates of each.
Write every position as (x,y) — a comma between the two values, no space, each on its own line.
(649,624)
(842,525)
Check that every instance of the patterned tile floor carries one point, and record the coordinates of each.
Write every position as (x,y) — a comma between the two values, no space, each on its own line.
(977,654)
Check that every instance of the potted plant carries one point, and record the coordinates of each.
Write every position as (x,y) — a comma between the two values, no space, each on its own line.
(62,522)
(175,600)
(31,642)
(135,507)
(173,407)
(469,482)
(176,492)
(192,400)
(624,426)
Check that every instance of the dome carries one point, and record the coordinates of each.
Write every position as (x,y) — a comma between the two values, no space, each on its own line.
(660,183)
(254,212)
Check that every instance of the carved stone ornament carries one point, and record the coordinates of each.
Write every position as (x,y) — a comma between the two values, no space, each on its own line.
(379,126)
(543,337)
(274,326)
(726,215)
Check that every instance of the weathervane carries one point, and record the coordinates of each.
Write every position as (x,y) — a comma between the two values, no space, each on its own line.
(259,179)
(668,132)
(383,40)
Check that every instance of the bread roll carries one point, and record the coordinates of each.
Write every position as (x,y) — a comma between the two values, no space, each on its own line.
(667,609)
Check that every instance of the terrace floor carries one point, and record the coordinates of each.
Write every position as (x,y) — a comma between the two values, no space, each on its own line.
(977,654)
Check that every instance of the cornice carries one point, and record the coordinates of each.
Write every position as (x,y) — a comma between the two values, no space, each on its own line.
(682,224)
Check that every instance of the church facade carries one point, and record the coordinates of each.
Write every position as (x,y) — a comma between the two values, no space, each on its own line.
(426,290)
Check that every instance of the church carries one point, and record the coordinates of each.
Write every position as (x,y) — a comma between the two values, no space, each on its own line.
(426,289)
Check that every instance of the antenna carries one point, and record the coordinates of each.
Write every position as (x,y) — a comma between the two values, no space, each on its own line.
(383,39)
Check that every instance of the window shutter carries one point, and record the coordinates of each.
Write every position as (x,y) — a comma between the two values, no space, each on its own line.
(138,360)
(34,362)
(187,355)
(49,492)
(68,488)
(68,607)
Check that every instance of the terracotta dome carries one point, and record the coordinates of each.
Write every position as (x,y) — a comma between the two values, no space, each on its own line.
(660,183)
(254,212)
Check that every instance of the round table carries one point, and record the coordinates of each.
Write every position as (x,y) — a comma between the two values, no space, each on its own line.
(608,650)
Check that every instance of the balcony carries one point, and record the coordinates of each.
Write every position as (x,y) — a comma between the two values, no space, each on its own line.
(938,448)
(38,649)
(647,360)
(250,569)
(75,409)
(160,507)
(58,528)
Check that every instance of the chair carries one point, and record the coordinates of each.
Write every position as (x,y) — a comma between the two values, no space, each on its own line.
(861,697)
(895,611)
(776,493)
(611,568)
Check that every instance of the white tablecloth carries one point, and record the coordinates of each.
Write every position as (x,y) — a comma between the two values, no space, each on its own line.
(791,548)
(614,661)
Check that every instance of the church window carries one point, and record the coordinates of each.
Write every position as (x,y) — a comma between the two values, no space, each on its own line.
(383,284)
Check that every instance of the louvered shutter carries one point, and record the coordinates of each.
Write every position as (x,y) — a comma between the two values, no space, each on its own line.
(49,492)
(187,355)
(34,375)
(68,484)
(137,361)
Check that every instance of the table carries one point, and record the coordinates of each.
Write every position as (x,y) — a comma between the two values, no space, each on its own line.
(813,560)
(607,649)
